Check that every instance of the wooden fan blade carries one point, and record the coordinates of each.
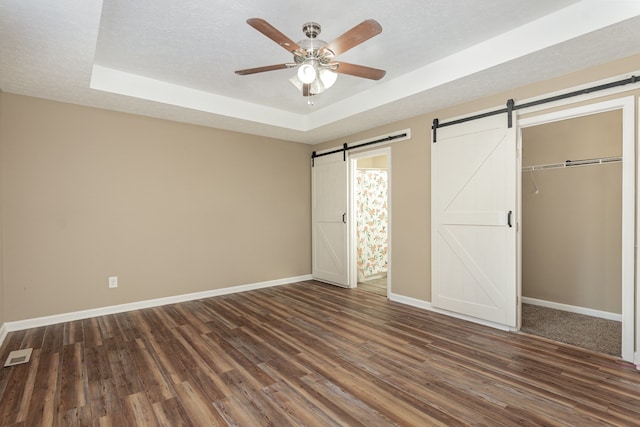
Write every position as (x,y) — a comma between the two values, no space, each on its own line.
(306,90)
(358,34)
(359,70)
(270,31)
(263,69)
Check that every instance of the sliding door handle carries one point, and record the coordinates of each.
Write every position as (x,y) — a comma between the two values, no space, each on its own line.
(509,219)
(344,217)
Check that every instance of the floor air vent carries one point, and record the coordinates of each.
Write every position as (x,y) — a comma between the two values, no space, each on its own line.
(19,356)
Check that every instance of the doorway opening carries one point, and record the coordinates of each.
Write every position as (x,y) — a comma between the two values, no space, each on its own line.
(370,190)
(575,276)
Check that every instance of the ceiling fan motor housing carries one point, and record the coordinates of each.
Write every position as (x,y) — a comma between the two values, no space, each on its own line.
(312,47)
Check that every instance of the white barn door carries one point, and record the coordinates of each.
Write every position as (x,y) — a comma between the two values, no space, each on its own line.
(473,185)
(329,194)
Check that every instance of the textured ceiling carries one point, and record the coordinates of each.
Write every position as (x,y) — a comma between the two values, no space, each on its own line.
(176,60)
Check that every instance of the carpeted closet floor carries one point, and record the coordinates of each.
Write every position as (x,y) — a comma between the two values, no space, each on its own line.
(592,333)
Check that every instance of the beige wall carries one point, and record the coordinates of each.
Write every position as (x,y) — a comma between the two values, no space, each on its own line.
(173,208)
(377,162)
(170,208)
(571,229)
(411,160)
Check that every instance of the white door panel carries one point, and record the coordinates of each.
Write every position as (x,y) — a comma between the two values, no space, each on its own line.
(473,229)
(329,216)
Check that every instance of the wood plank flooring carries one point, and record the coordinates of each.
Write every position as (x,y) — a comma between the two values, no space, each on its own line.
(305,354)
(377,286)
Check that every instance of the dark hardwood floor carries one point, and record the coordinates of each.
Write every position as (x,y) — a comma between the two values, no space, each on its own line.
(306,354)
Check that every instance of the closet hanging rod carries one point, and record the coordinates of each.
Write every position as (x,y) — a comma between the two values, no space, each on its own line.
(570,163)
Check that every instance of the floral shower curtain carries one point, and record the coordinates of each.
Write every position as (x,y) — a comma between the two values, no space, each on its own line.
(372,222)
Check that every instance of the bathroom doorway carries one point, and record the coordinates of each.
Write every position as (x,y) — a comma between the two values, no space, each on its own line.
(371,206)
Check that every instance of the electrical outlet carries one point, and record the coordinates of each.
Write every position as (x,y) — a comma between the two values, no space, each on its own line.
(113,281)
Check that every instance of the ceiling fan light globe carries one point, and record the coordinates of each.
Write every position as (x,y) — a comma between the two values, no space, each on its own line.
(316,87)
(306,73)
(296,82)
(327,77)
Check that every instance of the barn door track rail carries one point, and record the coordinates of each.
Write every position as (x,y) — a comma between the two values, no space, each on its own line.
(511,105)
(346,147)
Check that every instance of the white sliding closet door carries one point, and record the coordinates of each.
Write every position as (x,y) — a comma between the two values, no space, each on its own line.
(329,219)
(473,184)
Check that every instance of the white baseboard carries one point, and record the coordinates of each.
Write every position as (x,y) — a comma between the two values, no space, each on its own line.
(425,305)
(3,332)
(113,309)
(413,302)
(573,309)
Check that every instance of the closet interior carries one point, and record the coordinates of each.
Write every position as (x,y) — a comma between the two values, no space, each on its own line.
(572,231)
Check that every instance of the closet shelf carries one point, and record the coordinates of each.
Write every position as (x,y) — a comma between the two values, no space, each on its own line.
(573,163)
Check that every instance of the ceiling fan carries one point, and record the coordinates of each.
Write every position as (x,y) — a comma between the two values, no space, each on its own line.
(315,58)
